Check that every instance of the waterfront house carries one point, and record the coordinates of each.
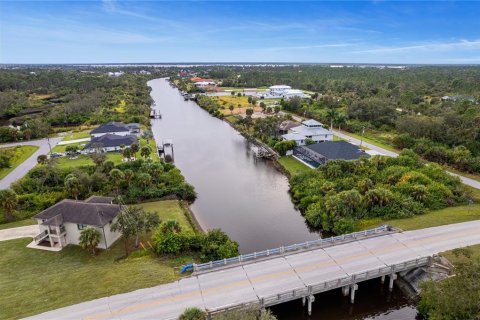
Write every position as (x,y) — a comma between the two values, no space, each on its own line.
(62,223)
(309,129)
(317,154)
(285,126)
(110,142)
(112,127)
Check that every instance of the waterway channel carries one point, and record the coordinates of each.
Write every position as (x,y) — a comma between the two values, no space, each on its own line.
(249,200)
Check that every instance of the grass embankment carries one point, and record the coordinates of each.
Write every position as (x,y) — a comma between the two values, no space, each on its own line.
(292,165)
(21,153)
(35,281)
(432,218)
(456,259)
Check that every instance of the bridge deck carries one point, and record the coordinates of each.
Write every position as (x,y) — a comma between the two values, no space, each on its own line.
(280,279)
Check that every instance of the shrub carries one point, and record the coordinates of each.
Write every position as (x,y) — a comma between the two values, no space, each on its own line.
(193,314)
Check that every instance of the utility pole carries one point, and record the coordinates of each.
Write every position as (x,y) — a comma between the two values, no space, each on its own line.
(361,140)
(49,145)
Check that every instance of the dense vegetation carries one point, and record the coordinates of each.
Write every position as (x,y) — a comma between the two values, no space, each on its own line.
(236,314)
(35,101)
(133,181)
(340,193)
(456,297)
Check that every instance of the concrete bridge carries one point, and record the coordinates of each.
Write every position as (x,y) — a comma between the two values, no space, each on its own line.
(284,276)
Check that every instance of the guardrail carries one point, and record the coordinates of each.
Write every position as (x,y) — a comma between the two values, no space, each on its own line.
(305,291)
(309,245)
(341,282)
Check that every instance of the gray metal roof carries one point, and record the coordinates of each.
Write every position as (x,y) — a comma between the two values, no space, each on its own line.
(307,131)
(109,127)
(99,199)
(80,212)
(112,140)
(335,150)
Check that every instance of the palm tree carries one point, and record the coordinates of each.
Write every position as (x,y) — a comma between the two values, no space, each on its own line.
(170,226)
(116,176)
(8,201)
(231,107)
(135,149)
(72,184)
(89,238)
(127,153)
(340,119)
(128,175)
(144,179)
(331,115)
(145,152)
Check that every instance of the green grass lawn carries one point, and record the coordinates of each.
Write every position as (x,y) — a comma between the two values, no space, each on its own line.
(22,153)
(169,210)
(35,281)
(372,140)
(455,259)
(84,160)
(292,165)
(19,223)
(77,135)
(429,219)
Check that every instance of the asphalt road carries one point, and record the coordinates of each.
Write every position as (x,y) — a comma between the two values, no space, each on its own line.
(261,279)
(28,164)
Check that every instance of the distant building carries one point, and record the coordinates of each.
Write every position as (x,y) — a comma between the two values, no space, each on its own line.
(144,72)
(285,126)
(203,84)
(319,153)
(116,74)
(294,93)
(458,98)
(278,90)
(62,223)
(309,129)
(110,142)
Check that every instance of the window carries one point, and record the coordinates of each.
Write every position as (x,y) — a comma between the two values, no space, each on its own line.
(81,226)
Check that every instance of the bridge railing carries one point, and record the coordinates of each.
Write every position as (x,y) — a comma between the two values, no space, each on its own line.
(309,245)
(341,282)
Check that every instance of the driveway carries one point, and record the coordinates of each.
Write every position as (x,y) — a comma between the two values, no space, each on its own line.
(20,171)
(19,232)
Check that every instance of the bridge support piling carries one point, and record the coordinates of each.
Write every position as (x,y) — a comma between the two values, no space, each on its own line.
(311,299)
(346,291)
(392,277)
(303,301)
(383,279)
(353,288)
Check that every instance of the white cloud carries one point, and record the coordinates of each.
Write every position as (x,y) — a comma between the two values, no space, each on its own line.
(436,46)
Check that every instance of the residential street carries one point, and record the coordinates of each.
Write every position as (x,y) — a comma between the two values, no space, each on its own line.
(28,164)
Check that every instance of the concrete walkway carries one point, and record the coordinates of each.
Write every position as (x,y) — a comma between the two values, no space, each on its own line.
(19,232)
(20,171)
(62,143)
(281,275)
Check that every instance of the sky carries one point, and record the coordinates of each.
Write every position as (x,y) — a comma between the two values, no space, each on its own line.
(441,32)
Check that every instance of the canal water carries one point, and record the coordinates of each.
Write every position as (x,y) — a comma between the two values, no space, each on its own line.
(249,200)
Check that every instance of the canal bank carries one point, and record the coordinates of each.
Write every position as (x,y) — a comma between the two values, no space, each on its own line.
(250,201)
